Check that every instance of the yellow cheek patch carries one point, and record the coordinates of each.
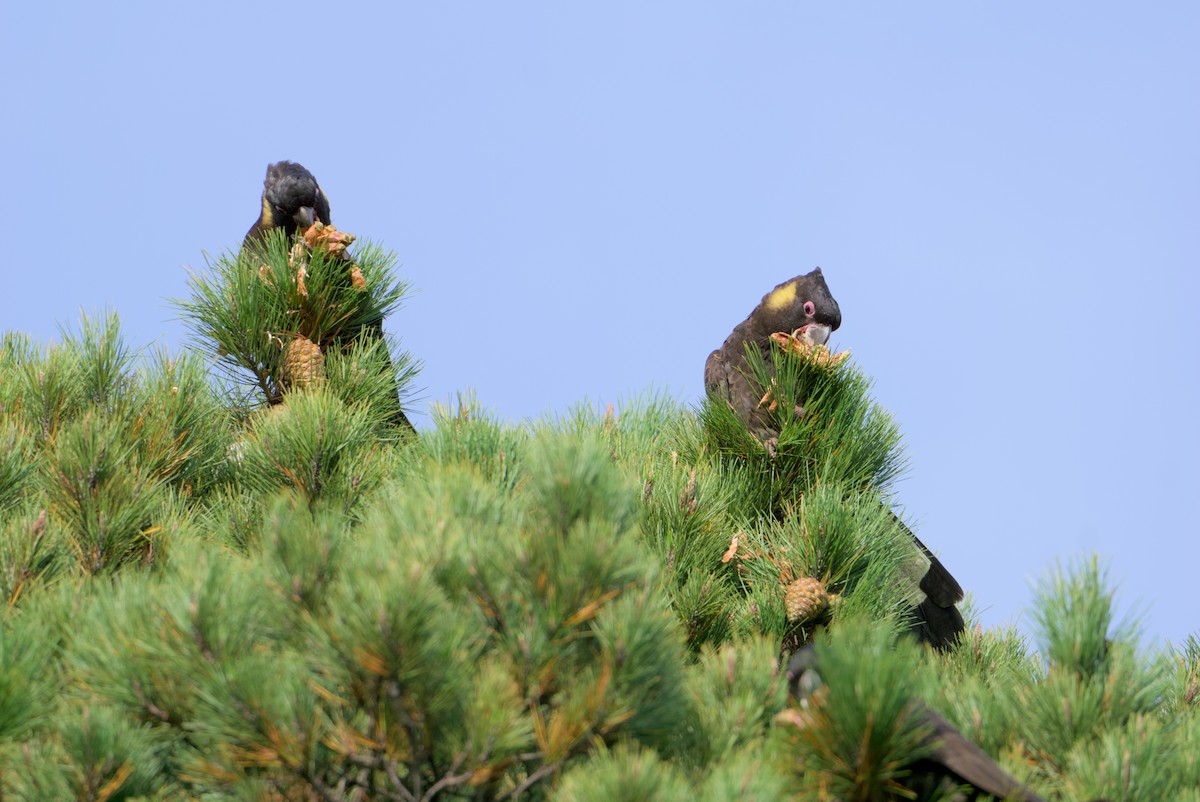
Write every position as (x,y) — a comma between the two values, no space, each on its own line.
(782,297)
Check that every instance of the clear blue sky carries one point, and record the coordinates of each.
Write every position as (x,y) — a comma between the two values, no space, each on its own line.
(1005,199)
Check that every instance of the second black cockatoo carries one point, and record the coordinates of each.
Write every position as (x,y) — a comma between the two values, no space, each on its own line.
(953,768)
(292,200)
(804,307)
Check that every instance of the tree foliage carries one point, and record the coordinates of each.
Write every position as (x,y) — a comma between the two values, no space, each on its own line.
(210,598)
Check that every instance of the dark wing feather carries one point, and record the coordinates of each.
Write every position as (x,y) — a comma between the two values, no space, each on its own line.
(938,584)
(953,760)
(715,376)
(936,620)
(971,764)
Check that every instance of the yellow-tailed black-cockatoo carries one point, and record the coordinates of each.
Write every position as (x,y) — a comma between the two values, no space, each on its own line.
(804,308)
(953,768)
(292,200)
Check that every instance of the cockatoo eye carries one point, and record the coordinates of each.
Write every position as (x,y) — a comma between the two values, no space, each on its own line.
(810,309)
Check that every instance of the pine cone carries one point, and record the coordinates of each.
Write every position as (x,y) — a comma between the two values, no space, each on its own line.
(334,242)
(298,255)
(806,599)
(301,275)
(303,363)
(819,355)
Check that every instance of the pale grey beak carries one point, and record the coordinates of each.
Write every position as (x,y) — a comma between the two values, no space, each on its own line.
(304,217)
(813,334)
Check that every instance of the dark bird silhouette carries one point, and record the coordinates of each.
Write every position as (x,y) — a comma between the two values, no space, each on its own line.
(952,761)
(292,200)
(804,307)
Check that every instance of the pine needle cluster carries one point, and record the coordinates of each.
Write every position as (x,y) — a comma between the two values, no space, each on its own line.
(284,316)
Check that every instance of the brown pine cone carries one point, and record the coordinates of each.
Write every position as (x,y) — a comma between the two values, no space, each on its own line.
(819,355)
(328,238)
(806,599)
(303,363)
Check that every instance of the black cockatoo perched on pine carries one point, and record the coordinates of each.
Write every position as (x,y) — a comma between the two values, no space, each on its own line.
(292,200)
(953,768)
(804,308)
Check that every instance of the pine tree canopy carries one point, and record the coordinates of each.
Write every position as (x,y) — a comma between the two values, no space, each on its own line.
(232,574)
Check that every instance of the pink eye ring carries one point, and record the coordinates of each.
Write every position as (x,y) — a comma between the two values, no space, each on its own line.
(809,308)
